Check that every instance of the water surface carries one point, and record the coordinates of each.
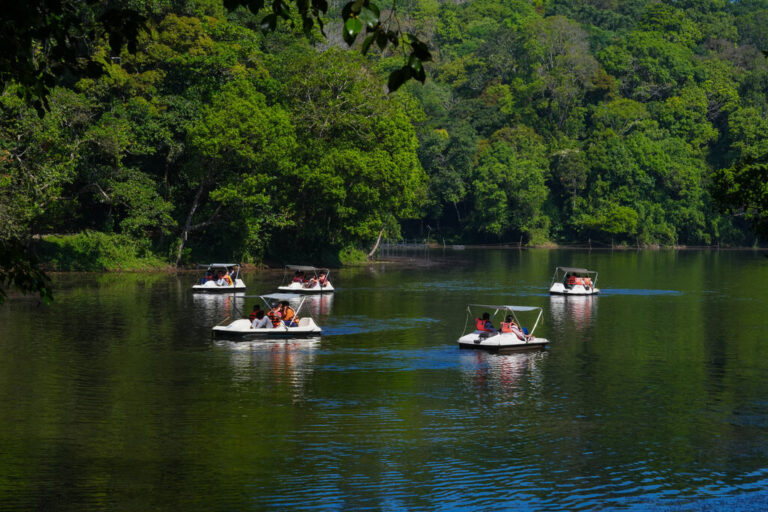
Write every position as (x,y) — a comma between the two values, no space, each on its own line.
(653,395)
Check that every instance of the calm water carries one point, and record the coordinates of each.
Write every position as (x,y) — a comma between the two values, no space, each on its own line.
(653,395)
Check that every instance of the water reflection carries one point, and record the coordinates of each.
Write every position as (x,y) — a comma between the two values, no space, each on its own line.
(574,312)
(288,361)
(500,372)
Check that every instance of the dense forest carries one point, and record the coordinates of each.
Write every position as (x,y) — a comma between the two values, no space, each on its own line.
(620,122)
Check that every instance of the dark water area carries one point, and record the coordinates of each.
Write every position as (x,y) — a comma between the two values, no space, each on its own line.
(653,395)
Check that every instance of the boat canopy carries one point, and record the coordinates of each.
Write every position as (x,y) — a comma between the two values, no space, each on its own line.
(281,296)
(305,268)
(212,265)
(506,308)
(512,309)
(575,270)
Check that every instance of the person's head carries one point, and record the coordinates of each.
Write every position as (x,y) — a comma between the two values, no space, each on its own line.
(486,316)
(260,314)
(284,303)
(509,319)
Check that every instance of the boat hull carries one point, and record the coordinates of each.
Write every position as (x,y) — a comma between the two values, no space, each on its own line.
(242,330)
(560,289)
(501,342)
(212,287)
(298,288)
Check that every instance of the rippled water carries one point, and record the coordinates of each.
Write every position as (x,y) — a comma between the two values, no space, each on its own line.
(653,395)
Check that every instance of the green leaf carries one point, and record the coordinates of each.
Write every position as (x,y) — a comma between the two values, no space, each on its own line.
(398,77)
(352,27)
(381,39)
(367,43)
(369,17)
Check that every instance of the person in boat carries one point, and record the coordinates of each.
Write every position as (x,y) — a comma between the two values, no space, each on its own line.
(484,324)
(570,281)
(255,312)
(298,277)
(322,279)
(275,315)
(288,314)
(311,283)
(510,326)
(260,320)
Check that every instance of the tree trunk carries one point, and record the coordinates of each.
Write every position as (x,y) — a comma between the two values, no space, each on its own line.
(376,246)
(188,223)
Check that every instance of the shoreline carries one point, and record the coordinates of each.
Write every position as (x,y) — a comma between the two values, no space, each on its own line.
(405,260)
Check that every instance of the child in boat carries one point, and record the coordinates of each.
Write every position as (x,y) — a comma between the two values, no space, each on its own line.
(275,316)
(255,312)
(484,324)
(509,325)
(322,279)
(288,314)
(260,320)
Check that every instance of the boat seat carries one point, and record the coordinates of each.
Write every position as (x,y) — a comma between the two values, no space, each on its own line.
(304,322)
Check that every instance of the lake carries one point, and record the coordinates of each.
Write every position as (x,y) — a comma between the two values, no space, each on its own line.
(653,395)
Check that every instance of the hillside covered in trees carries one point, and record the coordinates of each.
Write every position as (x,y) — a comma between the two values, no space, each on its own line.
(632,122)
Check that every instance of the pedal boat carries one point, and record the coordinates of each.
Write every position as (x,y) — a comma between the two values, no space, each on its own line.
(306,287)
(502,341)
(574,281)
(242,328)
(210,286)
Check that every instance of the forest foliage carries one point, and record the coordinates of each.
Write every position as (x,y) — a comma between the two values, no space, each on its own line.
(629,122)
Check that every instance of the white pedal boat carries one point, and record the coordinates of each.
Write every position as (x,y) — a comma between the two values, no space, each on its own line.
(205,285)
(502,341)
(242,328)
(574,281)
(300,282)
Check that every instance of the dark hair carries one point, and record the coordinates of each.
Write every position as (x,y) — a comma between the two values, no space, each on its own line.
(509,318)
(486,316)
(260,314)
(284,303)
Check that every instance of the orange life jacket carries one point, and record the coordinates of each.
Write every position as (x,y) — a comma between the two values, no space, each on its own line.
(480,325)
(572,280)
(580,280)
(275,318)
(289,314)
(587,281)
(506,326)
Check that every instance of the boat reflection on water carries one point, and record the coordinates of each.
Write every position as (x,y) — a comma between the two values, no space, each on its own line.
(505,372)
(286,361)
(319,305)
(575,312)
(214,306)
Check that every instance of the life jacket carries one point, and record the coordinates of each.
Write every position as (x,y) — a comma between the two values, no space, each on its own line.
(297,279)
(587,281)
(506,326)
(252,316)
(480,325)
(275,318)
(289,314)
(227,279)
(572,280)
(580,280)
(323,280)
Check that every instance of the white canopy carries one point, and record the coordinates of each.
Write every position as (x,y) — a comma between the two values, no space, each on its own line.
(507,308)
(576,270)
(281,296)
(219,265)
(305,268)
